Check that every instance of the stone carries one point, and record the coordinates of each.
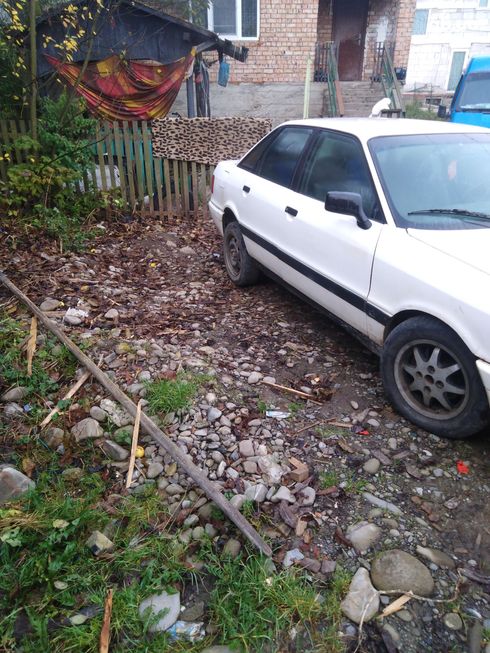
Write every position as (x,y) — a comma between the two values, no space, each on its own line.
(237,501)
(219,649)
(362,600)
(98,543)
(328,567)
(13,484)
(453,621)
(111,314)
(50,304)
(15,394)
(363,535)
(174,488)
(283,494)
(310,564)
(246,448)
(54,437)
(213,414)
(154,470)
(87,428)
(307,496)
(97,413)
(254,378)
(292,556)
(12,410)
(256,493)
(168,605)
(381,503)
(117,414)
(193,612)
(188,251)
(398,570)
(72,474)
(272,472)
(198,533)
(231,549)
(114,450)
(250,467)
(371,466)
(439,558)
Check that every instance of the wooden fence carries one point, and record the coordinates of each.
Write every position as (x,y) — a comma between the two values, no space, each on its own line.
(123,163)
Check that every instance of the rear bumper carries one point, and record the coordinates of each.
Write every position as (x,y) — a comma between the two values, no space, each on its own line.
(216,214)
(484,370)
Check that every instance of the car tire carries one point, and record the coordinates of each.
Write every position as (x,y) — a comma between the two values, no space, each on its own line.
(431,378)
(241,268)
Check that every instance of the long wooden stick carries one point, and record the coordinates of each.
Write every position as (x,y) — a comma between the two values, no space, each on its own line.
(197,475)
(105,633)
(298,393)
(31,345)
(134,444)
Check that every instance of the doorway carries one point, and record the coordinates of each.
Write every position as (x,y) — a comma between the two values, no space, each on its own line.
(349,31)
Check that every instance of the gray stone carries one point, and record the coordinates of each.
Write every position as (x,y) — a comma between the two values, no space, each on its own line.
(307,496)
(213,414)
(98,543)
(363,535)
(328,567)
(198,533)
(193,612)
(371,466)
(15,394)
(381,503)
(362,600)
(398,570)
(392,632)
(111,314)
(292,556)
(246,448)
(231,549)
(256,493)
(188,251)
(114,450)
(54,437)
(283,494)
(237,501)
(219,649)
(174,488)
(97,413)
(453,621)
(13,484)
(166,604)
(117,414)
(13,410)
(254,378)
(87,428)
(439,558)
(154,470)
(50,304)
(72,474)
(250,467)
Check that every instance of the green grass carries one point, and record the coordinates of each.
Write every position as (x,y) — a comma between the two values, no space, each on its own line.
(329,479)
(415,110)
(172,395)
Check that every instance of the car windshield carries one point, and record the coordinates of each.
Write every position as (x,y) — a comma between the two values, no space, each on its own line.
(435,181)
(475,95)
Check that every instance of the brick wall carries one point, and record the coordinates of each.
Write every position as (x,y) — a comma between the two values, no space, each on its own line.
(404,24)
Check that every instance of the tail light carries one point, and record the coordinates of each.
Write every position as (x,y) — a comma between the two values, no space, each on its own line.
(212,184)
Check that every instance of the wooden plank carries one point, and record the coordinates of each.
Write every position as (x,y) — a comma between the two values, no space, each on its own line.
(109,141)
(120,161)
(148,164)
(138,158)
(168,187)
(177,202)
(203,190)
(6,141)
(23,132)
(93,176)
(157,164)
(100,156)
(195,190)
(129,164)
(3,165)
(185,187)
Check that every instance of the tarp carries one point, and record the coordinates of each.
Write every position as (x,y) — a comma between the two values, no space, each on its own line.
(116,89)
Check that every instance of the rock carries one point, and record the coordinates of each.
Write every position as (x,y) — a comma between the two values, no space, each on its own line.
(283,494)
(54,437)
(363,535)
(15,394)
(98,543)
(371,466)
(362,600)
(166,604)
(114,450)
(72,474)
(193,612)
(111,314)
(271,471)
(219,649)
(154,470)
(50,304)
(254,378)
(118,415)
(246,448)
(328,567)
(13,410)
(310,564)
(475,636)
(292,556)
(256,493)
(174,488)
(453,621)
(231,549)
(238,500)
(398,570)
(307,496)
(87,428)
(214,414)
(439,558)
(74,316)
(97,413)
(250,467)
(13,484)
(198,533)
(188,251)
(381,503)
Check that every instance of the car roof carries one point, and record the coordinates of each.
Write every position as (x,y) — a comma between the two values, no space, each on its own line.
(366,128)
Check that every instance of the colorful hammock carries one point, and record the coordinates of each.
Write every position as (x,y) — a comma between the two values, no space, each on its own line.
(117,89)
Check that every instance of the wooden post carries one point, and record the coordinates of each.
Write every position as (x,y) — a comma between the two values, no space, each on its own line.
(191,97)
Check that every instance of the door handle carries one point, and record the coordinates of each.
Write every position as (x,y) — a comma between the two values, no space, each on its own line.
(291,211)
(246,189)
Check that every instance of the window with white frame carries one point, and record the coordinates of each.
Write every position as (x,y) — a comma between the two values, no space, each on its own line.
(238,19)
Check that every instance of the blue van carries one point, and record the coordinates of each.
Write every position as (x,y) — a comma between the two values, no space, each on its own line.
(471,101)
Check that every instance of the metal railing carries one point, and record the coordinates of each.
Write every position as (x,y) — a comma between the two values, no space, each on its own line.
(384,72)
(326,70)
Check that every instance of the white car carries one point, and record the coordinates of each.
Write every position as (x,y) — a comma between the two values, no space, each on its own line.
(385,225)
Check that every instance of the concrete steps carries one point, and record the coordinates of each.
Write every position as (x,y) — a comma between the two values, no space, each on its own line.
(359,98)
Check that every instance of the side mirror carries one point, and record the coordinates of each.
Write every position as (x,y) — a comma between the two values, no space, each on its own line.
(348,204)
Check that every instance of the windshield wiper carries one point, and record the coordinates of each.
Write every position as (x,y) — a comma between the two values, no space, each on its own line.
(456,212)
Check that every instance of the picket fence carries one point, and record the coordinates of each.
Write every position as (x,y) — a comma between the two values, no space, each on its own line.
(123,163)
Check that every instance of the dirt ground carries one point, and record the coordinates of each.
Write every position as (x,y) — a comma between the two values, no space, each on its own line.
(167,282)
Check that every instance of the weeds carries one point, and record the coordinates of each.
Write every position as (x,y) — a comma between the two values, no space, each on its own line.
(329,479)
(172,395)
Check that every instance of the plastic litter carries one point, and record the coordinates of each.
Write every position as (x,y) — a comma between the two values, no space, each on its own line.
(191,631)
(277,414)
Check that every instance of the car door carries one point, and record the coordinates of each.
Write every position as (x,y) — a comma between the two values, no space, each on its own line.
(333,255)
(261,192)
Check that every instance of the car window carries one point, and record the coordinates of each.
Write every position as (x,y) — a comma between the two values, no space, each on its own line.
(281,157)
(337,163)
(251,160)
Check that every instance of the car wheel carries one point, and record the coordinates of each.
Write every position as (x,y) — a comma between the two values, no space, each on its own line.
(241,268)
(431,378)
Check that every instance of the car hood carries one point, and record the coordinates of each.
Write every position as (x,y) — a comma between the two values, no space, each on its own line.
(470,246)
